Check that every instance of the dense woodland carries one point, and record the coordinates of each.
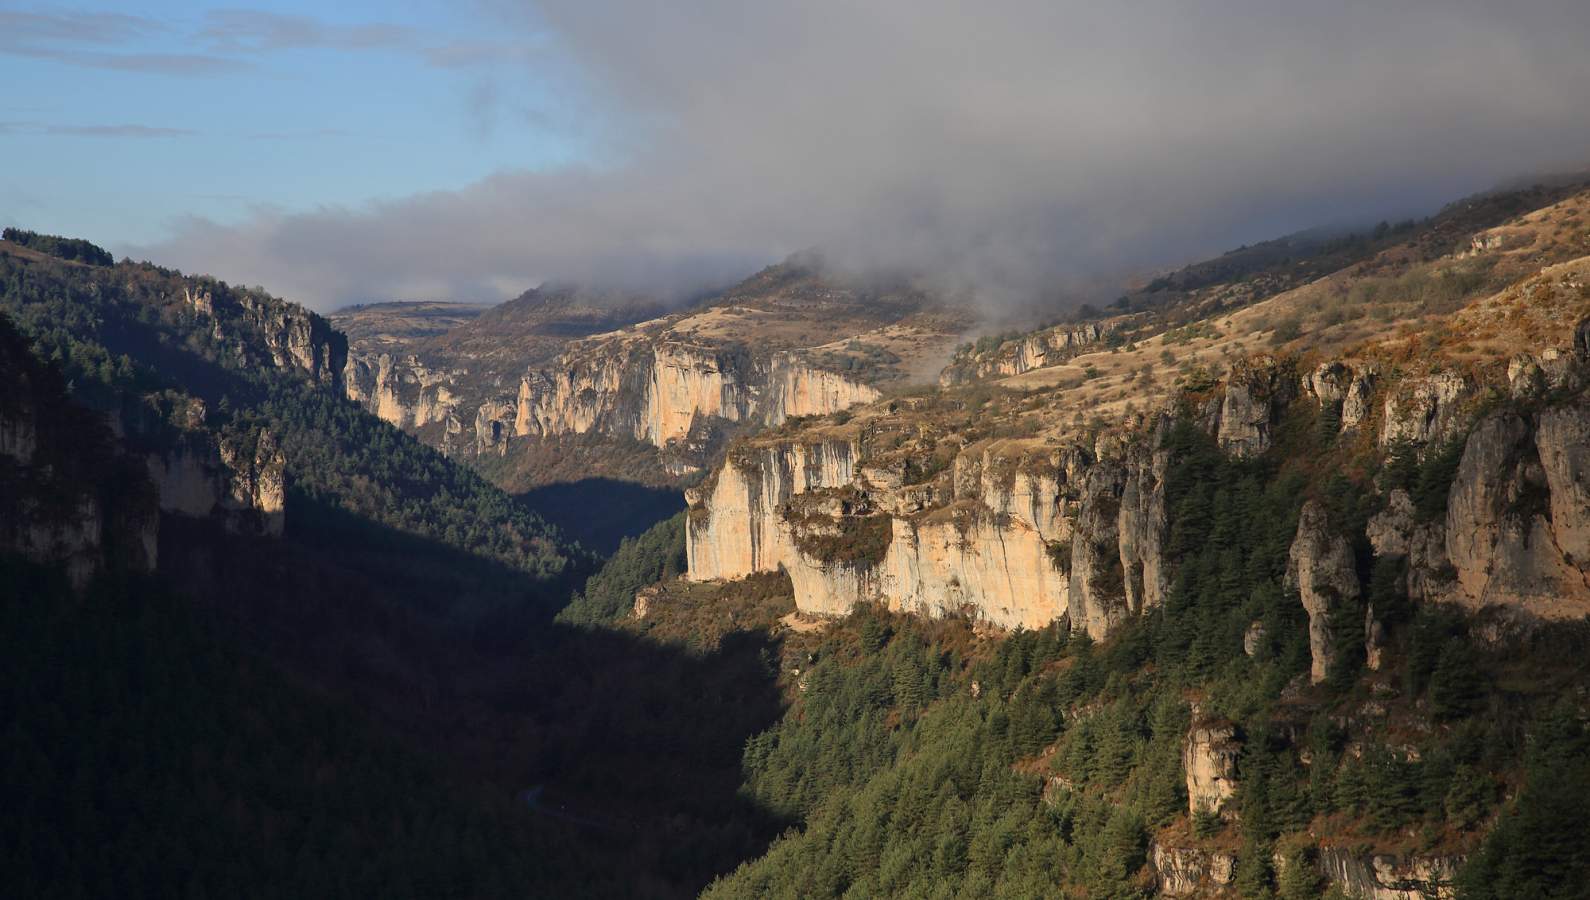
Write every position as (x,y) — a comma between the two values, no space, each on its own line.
(128,345)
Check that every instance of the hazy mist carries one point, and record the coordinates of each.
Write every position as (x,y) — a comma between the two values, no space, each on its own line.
(1014,147)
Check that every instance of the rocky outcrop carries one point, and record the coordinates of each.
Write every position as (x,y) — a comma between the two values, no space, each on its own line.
(1562,439)
(1513,522)
(797,389)
(1426,410)
(1209,759)
(1387,877)
(239,481)
(1188,871)
(1038,350)
(1320,567)
(663,392)
(262,330)
(1016,540)
(677,382)
(1396,531)
(69,497)
(1342,389)
(404,392)
(735,527)
(1256,391)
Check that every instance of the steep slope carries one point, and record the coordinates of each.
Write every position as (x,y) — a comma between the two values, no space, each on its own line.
(347,684)
(1203,291)
(393,327)
(148,709)
(234,399)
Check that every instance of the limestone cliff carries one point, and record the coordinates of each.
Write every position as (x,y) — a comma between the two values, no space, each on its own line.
(1209,760)
(264,330)
(69,496)
(1321,568)
(1191,871)
(789,342)
(1041,349)
(1388,877)
(1017,540)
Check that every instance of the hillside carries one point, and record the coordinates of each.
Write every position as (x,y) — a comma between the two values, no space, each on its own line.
(377,328)
(1248,276)
(355,631)
(1313,534)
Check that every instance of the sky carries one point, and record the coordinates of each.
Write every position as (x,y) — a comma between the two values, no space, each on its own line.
(468,150)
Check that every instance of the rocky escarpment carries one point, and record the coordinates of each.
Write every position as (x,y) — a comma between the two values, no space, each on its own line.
(1322,570)
(1018,540)
(238,480)
(1245,417)
(263,330)
(790,342)
(667,393)
(1513,531)
(926,516)
(68,496)
(661,392)
(400,390)
(1191,871)
(1209,760)
(1049,347)
(1387,877)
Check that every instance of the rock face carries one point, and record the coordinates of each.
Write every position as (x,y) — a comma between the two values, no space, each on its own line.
(239,483)
(659,392)
(1187,871)
(404,392)
(1038,350)
(1385,877)
(1255,393)
(1425,410)
(1342,389)
(1017,541)
(264,330)
(1320,566)
(1514,521)
(68,496)
(1209,759)
(791,341)
(1516,531)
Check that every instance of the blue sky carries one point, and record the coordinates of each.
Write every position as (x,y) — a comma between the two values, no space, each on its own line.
(361,151)
(117,126)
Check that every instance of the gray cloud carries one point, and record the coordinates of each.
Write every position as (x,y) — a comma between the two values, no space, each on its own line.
(1019,147)
(118,131)
(95,131)
(254,30)
(88,40)
(77,27)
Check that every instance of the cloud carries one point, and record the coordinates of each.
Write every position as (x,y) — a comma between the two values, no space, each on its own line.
(95,131)
(255,31)
(302,134)
(232,37)
(118,131)
(82,39)
(74,27)
(1020,147)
